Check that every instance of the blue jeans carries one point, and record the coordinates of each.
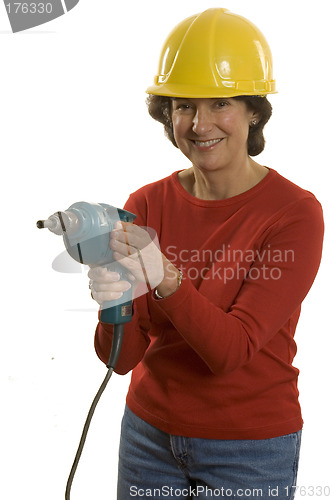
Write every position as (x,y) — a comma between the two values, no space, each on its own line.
(153,464)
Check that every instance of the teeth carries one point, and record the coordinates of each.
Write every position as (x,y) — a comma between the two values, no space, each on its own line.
(207,143)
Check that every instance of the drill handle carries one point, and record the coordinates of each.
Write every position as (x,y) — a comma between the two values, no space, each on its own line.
(118,311)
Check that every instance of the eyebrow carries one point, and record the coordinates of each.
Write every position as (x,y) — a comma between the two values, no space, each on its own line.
(181,99)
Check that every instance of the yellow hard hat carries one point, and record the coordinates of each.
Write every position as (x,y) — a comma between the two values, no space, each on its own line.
(214,54)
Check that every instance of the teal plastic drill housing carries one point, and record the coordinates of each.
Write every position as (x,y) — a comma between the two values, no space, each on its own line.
(89,243)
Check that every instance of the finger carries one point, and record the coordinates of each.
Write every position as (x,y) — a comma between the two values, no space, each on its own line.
(123,228)
(101,297)
(101,274)
(96,271)
(122,248)
(124,225)
(131,263)
(119,286)
(127,244)
(130,234)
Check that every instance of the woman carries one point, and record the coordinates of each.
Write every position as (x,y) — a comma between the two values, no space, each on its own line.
(212,408)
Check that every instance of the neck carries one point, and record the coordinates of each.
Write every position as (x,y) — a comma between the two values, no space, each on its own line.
(219,185)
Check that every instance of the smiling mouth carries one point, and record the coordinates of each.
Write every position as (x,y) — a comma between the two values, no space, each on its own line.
(206,144)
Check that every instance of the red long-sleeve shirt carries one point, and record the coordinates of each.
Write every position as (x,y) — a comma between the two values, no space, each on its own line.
(214,360)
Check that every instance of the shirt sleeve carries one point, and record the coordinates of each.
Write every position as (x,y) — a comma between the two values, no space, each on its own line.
(227,340)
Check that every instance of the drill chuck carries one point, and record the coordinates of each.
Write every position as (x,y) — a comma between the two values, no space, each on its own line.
(41,224)
(60,223)
(48,223)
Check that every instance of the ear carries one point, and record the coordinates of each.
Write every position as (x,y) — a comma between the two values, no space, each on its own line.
(254,119)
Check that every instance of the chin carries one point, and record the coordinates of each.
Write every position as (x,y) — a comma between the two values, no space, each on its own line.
(209,166)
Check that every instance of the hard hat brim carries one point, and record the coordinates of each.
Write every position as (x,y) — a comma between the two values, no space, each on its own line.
(187,91)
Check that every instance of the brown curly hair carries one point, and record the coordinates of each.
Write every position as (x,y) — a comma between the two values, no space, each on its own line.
(159,108)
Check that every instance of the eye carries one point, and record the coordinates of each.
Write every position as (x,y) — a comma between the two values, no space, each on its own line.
(221,103)
(183,107)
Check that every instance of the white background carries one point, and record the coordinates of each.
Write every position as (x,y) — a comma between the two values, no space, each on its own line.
(74,126)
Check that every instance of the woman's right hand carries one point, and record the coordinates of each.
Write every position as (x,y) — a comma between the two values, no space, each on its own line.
(106,285)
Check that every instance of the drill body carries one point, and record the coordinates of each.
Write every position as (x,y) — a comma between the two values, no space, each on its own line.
(86,229)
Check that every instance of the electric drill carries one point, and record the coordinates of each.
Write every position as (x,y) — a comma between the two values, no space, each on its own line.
(86,228)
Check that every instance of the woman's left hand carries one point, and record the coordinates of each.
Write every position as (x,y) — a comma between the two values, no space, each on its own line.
(134,248)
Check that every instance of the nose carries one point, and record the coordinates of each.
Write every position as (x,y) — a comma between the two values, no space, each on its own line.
(202,122)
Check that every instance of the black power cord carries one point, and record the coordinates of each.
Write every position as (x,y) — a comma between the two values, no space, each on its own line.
(115,352)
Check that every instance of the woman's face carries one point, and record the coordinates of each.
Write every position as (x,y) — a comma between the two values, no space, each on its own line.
(212,133)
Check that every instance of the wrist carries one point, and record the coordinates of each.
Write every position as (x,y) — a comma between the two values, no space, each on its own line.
(171,281)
